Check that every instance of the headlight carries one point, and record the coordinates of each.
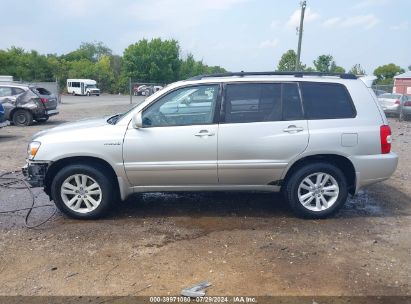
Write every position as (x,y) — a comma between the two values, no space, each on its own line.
(32,149)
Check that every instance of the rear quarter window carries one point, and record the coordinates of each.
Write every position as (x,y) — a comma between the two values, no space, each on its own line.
(327,101)
(42,91)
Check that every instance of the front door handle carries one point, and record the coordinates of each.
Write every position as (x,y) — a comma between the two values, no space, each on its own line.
(293,129)
(204,133)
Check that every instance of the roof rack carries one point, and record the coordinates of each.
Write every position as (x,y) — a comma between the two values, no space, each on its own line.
(295,74)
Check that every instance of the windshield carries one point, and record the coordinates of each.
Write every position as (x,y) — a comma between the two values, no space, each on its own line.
(93,86)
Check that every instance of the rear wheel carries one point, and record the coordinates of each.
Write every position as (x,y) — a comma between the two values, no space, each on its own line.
(22,118)
(316,190)
(83,192)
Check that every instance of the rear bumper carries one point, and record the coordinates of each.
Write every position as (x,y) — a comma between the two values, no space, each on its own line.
(52,112)
(372,169)
(35,173)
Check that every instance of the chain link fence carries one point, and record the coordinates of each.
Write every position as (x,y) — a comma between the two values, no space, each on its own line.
(394,89)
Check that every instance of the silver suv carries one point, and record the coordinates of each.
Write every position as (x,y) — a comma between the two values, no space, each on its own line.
(314,137)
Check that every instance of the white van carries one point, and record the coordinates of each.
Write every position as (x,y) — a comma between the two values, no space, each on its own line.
(82,87)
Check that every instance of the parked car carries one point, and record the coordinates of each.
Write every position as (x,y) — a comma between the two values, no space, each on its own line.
(139,90)
(23,103)
(379,92)
(313,137)
(407,108)
(3,121)
(392,103)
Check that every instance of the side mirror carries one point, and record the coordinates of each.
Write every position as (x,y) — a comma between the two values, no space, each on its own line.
(138,121)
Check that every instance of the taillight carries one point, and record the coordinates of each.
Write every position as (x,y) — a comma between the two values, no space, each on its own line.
(397,102)
(385,136)
(407,104)
(44,100)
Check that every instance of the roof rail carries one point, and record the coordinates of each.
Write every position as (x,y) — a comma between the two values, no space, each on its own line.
(295,74)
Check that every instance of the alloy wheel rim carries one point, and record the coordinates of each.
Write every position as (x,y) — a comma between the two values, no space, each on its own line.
(81,193)
(318,191)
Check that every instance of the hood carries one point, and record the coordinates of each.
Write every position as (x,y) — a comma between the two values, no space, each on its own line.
(74,126)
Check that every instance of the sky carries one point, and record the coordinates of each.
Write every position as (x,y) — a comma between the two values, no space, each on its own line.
(249,35)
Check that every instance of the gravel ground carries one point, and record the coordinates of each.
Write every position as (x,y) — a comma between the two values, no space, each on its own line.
(244,243)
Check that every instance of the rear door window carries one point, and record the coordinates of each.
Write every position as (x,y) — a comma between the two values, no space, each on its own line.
(326,101)
(259,102)
(254,102)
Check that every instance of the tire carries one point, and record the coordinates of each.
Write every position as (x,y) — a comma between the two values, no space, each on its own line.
(22,118)
(73,93)
(298,189)
(88,93)
(83,205)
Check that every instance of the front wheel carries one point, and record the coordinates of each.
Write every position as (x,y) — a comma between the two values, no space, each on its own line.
(316,190)
(83,192)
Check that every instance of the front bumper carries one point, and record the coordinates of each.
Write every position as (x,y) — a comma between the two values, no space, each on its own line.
(35,173)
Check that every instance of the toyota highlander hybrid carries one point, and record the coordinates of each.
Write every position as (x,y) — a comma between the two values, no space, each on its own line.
(314,137)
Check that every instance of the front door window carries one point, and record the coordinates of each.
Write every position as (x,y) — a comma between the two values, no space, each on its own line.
(194,105)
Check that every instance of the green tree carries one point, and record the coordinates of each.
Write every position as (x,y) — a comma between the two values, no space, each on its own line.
(287,62)
(27,66)
(82,68)
(409,67)
(92,51)
(104,74)
(357,70)
(190,67)
(385,73)
(152,61)
(326,64)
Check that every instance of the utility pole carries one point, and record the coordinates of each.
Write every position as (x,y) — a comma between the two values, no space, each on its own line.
(300,30)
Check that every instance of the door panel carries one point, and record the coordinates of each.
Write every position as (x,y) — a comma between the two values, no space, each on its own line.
(171,156)
(257,153)
(263,129)
(177,145)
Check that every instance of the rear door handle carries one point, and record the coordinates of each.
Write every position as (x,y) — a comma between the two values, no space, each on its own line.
(204,133)
(293,129)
